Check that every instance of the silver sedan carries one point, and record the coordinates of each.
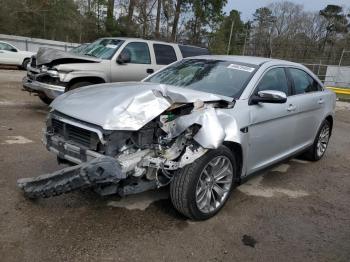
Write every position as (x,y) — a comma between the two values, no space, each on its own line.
(200,124)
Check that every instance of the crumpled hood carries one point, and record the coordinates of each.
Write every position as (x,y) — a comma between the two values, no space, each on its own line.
(126,106)
(49,55)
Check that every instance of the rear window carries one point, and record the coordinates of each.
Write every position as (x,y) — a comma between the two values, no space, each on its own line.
(188,51)
(165,54)
(303,82)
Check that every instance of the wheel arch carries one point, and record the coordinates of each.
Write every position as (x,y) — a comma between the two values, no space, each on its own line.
(92,79)
(25,58)
(329,118)
(237,151)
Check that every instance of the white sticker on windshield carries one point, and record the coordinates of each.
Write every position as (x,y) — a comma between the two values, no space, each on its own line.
(111,46)
(241,68)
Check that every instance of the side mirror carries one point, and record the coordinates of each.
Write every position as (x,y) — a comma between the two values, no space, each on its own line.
(268,96)
(13,50)
(123,58)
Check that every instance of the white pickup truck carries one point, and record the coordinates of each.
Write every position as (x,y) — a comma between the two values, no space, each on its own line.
(11,55)
(53,72)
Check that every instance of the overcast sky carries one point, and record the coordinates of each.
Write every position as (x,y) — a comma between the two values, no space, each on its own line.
(248,7)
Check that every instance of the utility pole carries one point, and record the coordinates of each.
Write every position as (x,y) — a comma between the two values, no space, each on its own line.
(245,40)
(229,41)
(342,55)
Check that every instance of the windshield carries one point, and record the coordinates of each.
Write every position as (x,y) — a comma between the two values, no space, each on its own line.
(79,49)
(212,76)
(103,48)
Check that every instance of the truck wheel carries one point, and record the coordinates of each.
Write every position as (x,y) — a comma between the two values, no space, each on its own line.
(318,149)
(25,63)
(45,99)
(200,190)
(77,85)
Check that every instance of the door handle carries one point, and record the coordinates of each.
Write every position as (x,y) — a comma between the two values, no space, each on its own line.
(150,71)
(321,101)
(291,108)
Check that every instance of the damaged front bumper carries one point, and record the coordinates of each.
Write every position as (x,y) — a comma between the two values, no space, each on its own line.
(33,86)
(100,170)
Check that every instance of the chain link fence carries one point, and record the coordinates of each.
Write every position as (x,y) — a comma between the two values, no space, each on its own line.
(33,44)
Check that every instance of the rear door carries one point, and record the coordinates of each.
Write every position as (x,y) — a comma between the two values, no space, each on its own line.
(272,126)
(308,96)
(140,64)
(164,55)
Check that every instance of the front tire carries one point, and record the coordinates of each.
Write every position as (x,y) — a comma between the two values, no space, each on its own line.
(25,63)
(200,189)
(45,99)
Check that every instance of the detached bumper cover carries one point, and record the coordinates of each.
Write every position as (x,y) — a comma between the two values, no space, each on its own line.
(88,174)
(51,91)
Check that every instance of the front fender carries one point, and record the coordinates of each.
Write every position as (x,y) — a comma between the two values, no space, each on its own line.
(84,74)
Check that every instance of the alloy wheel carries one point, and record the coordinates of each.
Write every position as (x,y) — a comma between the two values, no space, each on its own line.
(214,184)
(323,139)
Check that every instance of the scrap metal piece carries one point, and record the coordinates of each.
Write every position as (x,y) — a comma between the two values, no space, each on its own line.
(87,174)
(191,154)
(210,135)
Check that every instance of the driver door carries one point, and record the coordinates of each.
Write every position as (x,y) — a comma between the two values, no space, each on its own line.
(137,68)
(272,126)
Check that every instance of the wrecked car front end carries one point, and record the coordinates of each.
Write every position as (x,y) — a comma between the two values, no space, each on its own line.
(138,147)
(49,71)
(180,127)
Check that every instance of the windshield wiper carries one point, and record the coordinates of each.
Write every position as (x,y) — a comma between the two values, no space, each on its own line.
(90,55)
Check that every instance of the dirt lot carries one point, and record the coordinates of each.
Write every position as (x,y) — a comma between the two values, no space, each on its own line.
(297,211)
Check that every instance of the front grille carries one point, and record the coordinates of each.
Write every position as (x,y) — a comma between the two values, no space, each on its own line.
(76,135)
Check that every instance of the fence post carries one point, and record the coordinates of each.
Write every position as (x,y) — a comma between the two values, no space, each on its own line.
(65,47)
(26,44)
(319,66)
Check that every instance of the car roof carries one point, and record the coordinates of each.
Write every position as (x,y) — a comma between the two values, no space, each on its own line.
(153,41)
(253,60)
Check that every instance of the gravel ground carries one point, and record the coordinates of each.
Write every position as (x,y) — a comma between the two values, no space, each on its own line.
(297,211)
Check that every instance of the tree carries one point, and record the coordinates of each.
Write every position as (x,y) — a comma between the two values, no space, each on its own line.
(263,22)
(110,25)
(336,23)
(207,13)
(219,38)
(159,9)
(178,6)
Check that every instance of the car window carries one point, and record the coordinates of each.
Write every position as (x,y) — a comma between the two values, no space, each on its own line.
(4,46)
(303,82)
(165,54)
(103,48)
(275,79)
(188,51)
(138,52)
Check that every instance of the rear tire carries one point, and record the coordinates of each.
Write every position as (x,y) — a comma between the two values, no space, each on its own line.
(194,191)
(318,149)
(45,99)
(78,85)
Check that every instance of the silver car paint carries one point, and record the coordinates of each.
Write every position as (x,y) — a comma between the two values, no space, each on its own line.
(275,131)
(127,106)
